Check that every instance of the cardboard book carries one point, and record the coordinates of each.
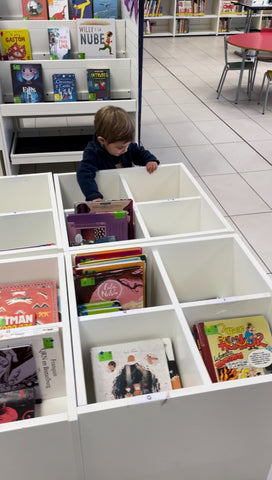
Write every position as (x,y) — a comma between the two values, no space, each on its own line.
(86,228)
(15,45)
(27,82)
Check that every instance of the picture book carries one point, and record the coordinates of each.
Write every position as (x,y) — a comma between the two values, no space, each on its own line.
(27,82)
(85,228)
(15,45)
(172,364)
(35,9)
(235,348)
(64,87)
(58,9)
(17,405)
(103,306)
(82,9)
(29,303)
(96,38)
(123,281)
(130,369)
(107,9)
(18,368)
(59,43)
(46,349)
(81,258)
(125,204)
(98,80)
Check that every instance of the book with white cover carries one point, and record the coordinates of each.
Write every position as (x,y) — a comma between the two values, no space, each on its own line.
(96,37)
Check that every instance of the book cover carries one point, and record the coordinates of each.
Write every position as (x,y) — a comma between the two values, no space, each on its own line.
(29,303)
(86,228)
(15,44)
(17,405)
(125,282)
(27,82)
(82,9)
(46,349)
(172,364)
(125,204)
(59,43)
(58,9)
(239,347)
(64,87)
(130,369)
(107,9)
(18,368)
(98,80)
(81,258)
(96,38)
(35,9)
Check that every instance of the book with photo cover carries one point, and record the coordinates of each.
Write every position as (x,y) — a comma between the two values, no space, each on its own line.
(96,37)
(83,258)
(28,303)
(59,43)
(35,9)
(123,280)
(17,405)
(58,9)
(234,348)
(107,9)
(64,87)
(46,348)
(98,80)
(27,82)
(130,369)
(125,204)
(86,228)
(15,45)
(82,9)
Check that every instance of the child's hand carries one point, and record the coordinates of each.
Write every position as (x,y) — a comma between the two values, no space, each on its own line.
(97,200)
(151,167)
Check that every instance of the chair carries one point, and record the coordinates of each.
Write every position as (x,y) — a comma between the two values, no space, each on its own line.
(268,77)
(231,66)
(261,57)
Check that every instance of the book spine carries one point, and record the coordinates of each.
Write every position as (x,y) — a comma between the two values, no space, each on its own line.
(203,346)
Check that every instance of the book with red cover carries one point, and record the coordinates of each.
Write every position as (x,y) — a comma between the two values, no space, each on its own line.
(17,405)
(35,9)
(204,349)
(83,258)
(86,228)
(28,303)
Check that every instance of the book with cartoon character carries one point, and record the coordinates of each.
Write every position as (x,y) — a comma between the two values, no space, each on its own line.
(235,348)
(64,87)
(82,9)
(98,80)
(15,45)
(58,9)
(130,369)
(27,82)
(34,9)
(96,37)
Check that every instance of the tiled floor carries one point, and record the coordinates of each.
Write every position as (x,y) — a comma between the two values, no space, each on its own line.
(227,147)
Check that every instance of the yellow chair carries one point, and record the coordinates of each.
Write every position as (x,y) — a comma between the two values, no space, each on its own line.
(268,77)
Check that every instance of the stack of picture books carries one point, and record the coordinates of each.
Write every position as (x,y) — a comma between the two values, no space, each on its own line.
(134,368)
(235,348)
(100,222)
(117,278)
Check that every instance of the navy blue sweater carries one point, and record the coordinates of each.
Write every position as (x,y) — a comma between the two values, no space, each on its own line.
(97,158)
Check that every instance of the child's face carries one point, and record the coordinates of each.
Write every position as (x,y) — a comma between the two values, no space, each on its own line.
(116,148)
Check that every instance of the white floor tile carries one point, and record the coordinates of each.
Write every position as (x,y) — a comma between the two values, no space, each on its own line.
(185,133)
(242,157)
(156,136)
(261,182)
(217,131)
(207,160)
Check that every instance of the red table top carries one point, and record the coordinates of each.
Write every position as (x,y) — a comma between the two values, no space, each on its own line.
(261,41)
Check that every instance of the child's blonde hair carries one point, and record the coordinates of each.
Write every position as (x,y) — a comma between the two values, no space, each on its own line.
(114,125)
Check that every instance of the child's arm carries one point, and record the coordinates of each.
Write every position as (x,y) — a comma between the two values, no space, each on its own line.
(86,180)
(143,157)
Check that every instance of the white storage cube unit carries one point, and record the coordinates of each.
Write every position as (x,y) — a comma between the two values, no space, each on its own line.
(28,215)
(169,203)
(50,440)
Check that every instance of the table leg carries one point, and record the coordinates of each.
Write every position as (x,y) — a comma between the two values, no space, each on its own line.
(241,75)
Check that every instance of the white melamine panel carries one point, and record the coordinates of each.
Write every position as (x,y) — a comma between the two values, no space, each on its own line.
(27,192)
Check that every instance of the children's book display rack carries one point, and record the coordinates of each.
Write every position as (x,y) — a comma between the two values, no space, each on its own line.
(198,269)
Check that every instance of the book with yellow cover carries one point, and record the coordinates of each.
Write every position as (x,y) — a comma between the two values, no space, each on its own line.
(235,348)
(15,44)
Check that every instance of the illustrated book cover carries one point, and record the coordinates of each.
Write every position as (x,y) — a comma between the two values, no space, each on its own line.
(130,369)
(125,204)
(27,82)
(64,87)
(172,364)
(107,9)
(86,228)
(96,38)
(98,80)
(123,280)
(235,348)
(82,258)
(15,45)
(35,9)
(82,9)
(17,405)
(58,9)
(59,43)
(46,349)
(29,303)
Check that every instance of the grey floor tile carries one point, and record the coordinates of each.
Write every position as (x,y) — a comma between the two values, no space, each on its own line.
(185,133)
(156,136)
(242,157)
(217,131)
(171,114)
(207,160)
(261,182)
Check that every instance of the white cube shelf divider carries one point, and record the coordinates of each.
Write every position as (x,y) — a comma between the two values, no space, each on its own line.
(170,194)
(28,215)
(51,439)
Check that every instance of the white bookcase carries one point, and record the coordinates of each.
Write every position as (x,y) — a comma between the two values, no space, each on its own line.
(203,24)
(22,122)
